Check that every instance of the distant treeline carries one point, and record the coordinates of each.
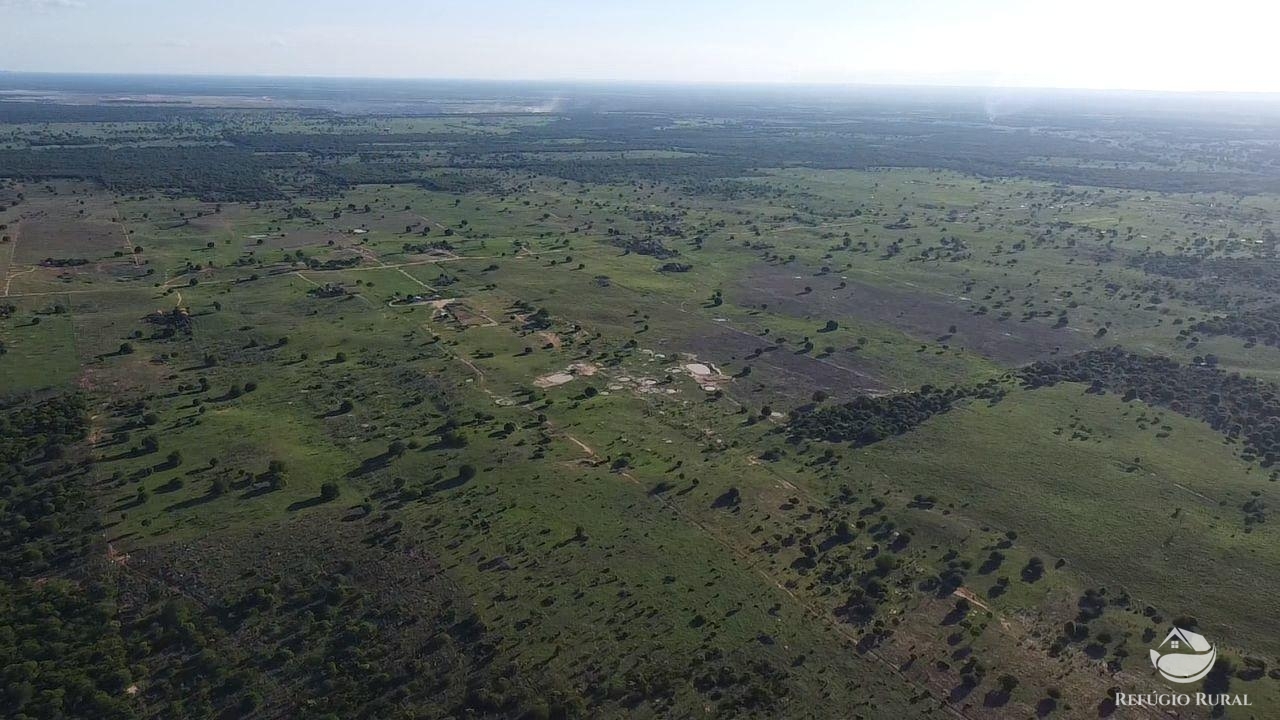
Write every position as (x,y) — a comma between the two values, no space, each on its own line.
(153,112)
(737,149)
(1219,282)
(213,174)
(1261,273)
(1262,325)
(1241,408)
(570,148)
(338,143)
(44,112)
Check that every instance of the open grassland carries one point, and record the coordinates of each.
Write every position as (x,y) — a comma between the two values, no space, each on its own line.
(1130,496)
(523,445)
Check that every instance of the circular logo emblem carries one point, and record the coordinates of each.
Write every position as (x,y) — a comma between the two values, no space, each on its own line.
(1184,656)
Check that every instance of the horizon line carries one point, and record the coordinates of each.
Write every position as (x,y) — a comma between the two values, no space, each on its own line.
(762,84)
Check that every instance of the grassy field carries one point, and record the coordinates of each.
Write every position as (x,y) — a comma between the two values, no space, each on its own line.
(562,408)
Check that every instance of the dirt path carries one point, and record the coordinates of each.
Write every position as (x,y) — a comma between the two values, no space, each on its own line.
(185,278)
(402,272)
(13,252)
(298,273)
(585,447)
(1184,488)
(479,373)
(476,370)
(428,221)
(967,594)
(819,226)
(115,557)
(128,242)
(9,281)
(367,254)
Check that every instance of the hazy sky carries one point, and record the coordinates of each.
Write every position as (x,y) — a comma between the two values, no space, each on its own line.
(1128,44)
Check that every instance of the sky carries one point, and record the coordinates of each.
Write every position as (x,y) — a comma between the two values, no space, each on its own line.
(1169,45)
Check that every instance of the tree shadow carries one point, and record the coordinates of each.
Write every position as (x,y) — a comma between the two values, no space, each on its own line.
(996,698)
(308,503)
(961,691)
(730,498)
(377,462)
(452,483)
(192,502)
(257,490)
(957,614)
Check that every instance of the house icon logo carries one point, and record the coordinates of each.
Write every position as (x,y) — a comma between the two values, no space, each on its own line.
(1184,656)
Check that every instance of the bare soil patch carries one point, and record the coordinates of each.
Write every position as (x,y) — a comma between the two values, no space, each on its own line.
(465,315)
(566,376)
(921,314)
(66,239)
(708,376)
(554,379)
(778,371)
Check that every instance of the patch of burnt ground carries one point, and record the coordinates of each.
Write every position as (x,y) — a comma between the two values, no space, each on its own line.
(921,314)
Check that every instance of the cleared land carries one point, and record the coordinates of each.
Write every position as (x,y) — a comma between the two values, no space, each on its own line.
(430,417)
